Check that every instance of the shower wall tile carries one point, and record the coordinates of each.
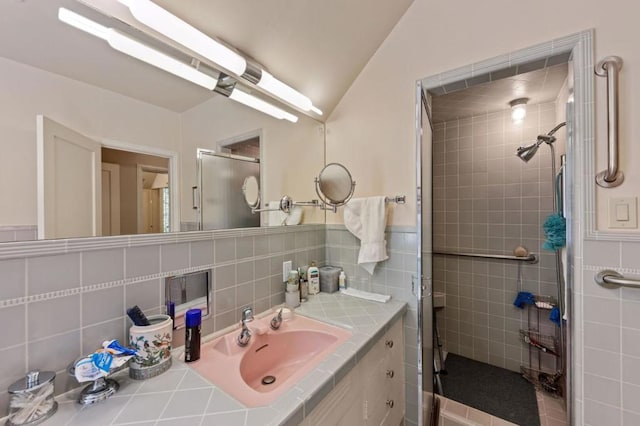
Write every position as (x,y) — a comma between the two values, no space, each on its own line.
(486,200)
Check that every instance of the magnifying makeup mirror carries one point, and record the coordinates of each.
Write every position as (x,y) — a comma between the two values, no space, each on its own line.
(251,191)
(334,185)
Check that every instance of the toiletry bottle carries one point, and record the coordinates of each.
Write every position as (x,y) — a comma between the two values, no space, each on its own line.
(342,281)
(171,311)
(192,320)
(292,295)
(313,278)
(304,288)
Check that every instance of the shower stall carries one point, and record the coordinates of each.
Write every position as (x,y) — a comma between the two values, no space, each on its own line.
(492,234)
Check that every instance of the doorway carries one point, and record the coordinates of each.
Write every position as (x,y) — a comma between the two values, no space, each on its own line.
(483,209)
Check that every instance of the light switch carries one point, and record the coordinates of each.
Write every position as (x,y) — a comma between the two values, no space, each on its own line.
(623,213)
(286,269)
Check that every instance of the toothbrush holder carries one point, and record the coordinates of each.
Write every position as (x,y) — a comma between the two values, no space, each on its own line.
(153,346)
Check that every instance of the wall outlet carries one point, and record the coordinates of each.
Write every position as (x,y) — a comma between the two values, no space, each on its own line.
(286,268)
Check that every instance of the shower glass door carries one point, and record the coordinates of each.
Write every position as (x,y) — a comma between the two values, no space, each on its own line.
(427,412)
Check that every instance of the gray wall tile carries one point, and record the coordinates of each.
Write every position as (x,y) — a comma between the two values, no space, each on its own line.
(174,256)
(141,261)
(94,335)
(66,348)
(52,273)
(12,319)
(145,294)
(225,249)
(102,305)
(53,316)
(13,278)
(202,253)
(13,365)
(102,266)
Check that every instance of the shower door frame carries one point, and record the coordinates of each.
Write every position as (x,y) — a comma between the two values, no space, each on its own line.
(580,149)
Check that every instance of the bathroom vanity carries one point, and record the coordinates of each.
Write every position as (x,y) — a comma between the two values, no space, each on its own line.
(360,383)
(372,393)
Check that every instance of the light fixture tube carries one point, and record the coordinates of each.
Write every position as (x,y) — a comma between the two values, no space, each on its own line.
(316,110)
(181,32)
(265,107)
(125,44)
(284,92)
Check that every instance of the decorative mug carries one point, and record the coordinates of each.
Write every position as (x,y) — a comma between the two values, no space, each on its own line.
(153,344)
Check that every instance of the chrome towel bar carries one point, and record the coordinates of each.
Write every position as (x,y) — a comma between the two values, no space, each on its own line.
(610,67)
(399,199)
(531,258)
(611,279)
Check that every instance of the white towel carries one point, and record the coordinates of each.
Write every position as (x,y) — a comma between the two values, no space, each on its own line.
(366,219)
(280,218)
(361,294)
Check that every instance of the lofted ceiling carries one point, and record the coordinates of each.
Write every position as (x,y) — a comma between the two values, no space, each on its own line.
(317,46)
(539,86)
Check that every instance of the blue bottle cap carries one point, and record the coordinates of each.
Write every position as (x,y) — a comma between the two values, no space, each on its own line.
(193,318)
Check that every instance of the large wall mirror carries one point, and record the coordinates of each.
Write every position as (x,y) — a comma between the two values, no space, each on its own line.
(95,142)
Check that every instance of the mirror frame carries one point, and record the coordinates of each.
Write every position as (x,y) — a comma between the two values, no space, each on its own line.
(256,203)
(326,200)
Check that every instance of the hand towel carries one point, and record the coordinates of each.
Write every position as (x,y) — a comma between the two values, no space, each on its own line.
(361,294)
(366,219)
(274,215)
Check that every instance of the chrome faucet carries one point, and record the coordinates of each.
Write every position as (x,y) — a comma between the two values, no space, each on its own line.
(277,320)
(245,334)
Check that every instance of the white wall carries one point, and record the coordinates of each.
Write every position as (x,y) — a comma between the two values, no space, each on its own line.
(100,114)
(372,128)
(292,153)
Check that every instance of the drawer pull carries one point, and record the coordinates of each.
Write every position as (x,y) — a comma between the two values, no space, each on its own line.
(389,343)
(390,403)
(390,374)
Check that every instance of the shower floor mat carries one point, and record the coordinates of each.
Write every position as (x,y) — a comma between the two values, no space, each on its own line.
(494,390)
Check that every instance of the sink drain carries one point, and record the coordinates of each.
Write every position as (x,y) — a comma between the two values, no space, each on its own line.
(268,380)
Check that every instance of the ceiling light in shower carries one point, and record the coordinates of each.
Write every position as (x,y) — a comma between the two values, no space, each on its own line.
(127,45)
(518,109)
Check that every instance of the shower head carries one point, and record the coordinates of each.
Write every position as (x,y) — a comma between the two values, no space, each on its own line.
(526,153)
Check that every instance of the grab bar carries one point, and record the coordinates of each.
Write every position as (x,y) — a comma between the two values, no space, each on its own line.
(609,67)
(611,279)
(531,258)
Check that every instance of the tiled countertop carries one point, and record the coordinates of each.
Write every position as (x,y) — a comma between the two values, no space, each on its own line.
(182,397)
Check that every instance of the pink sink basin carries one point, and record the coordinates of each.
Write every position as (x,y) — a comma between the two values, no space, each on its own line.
(286,355)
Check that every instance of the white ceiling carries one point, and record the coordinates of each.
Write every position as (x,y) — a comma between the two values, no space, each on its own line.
(539,86)
(318,47)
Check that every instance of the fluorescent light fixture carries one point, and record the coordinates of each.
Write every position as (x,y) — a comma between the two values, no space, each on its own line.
(255,103)
(125,44)
(153,16)
(284,92)
(316,110)
(518,109)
